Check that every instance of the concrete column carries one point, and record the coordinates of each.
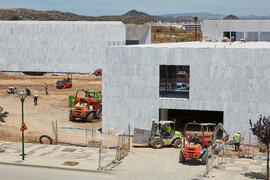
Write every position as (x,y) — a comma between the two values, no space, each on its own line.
(164,114)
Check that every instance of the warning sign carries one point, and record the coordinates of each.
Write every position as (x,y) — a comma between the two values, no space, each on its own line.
(23,128)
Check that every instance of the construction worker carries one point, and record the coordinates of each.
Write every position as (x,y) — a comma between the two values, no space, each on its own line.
(46,88)
(236,139)
(168,129)
(35,97)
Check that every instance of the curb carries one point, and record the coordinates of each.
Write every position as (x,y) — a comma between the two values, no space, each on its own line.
(59,168)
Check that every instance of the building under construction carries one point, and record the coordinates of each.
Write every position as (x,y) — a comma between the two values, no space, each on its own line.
(248,30)
(225,83)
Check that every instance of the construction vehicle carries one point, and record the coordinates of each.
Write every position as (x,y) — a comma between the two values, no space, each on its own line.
(95,103)
(65,83)
(199,137)
(157,137)
(88,94)
(12,90)
(96,95)
(82,111)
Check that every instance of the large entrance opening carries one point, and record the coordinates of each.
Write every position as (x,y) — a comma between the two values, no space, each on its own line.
(182,117)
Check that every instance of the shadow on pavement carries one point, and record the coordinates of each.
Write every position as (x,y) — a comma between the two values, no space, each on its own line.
(192,162)
(255,175)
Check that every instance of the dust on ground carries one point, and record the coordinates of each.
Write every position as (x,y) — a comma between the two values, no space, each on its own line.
(51,107)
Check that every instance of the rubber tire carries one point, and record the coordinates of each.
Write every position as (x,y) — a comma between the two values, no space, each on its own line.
(204,158)
(177,143)
(89,118)
(158,143)
(71,118)
(45,136)
(98,114)
(181,157)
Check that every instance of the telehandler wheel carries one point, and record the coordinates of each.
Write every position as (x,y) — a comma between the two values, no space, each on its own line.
(177,143)
(204,158)
(158,143)
(71,118)
(182,159)
(98,114)
(89,118)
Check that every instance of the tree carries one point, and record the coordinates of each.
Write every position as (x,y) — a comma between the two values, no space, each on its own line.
(3,115)
(261,129)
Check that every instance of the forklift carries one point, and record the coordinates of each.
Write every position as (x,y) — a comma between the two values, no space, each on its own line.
(199,137)
(157,136)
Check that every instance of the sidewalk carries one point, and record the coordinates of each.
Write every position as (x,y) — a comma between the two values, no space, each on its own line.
(237,169)
(55,156)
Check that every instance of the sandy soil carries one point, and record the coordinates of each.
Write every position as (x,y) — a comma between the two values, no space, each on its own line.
(51,107)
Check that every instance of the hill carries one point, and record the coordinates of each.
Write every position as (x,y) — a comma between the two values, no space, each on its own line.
(132,16)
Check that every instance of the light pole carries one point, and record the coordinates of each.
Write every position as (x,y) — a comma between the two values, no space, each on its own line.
(22,96)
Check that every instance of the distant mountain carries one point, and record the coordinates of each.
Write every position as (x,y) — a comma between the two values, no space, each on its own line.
(132,16)
(204,16)
(230,16)
(200,15)
(254,17)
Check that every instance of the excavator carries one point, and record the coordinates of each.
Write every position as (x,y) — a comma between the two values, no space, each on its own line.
(199,137)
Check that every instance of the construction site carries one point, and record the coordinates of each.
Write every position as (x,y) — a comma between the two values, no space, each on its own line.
(85,96)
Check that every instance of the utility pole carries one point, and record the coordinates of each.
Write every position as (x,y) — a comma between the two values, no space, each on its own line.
(196,33)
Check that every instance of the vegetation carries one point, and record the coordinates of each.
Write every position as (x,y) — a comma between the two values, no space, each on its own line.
(261,129)
(3,115)
(165,34)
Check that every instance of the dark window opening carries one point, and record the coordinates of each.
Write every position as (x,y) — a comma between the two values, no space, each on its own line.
(174,81)
(132,42)
(230,35)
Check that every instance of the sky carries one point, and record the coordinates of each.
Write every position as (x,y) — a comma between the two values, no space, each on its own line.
(153,7)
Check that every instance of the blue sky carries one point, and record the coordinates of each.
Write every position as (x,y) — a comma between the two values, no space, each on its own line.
(153,7)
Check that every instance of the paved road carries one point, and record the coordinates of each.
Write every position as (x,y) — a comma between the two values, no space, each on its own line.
(8,172)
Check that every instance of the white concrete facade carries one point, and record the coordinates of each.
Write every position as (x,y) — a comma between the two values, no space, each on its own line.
(250,30)
(233,78)
(55,46)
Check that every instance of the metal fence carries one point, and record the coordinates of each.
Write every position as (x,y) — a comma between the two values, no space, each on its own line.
(84,135)
(217,157)
(123,146)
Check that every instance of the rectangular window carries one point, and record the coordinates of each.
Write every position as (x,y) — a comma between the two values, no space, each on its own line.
(174,81)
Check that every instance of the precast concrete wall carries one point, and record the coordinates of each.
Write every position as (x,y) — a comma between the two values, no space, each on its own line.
(214,29)
(233,80)
(55,46)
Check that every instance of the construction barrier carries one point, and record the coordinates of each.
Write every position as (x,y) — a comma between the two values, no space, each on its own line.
(123,147)
(74,135)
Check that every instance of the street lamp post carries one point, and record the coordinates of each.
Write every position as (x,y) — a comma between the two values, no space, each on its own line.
(22,96)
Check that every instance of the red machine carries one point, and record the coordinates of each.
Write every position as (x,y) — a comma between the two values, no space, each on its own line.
(82,111)
(65,83)
(199,136)
(96,104)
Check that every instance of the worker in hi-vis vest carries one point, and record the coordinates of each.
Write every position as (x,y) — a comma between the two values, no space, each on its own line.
(168,129)
(237,139)
(35,97)
(46,88)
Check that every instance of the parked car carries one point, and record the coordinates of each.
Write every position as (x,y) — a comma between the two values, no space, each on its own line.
(98,72)
(181,87)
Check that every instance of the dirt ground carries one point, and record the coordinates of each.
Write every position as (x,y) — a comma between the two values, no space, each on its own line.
(51,107)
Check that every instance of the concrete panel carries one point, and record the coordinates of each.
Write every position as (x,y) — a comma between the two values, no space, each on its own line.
(50,46)
(246,29)
(234,80)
